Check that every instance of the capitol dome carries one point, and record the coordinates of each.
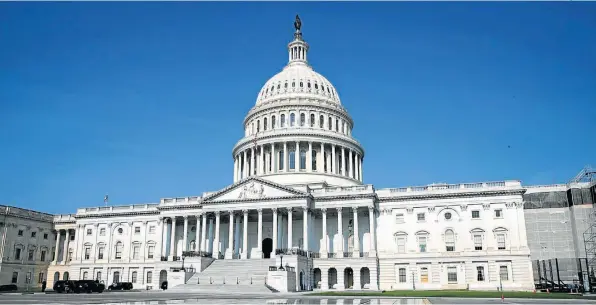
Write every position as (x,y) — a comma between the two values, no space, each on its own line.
(298,132)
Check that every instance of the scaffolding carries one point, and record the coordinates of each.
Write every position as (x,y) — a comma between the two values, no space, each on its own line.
(588,177)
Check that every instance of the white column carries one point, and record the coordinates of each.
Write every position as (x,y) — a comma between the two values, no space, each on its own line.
(260,234)
(333,164)
(297,157)
(351,167)
(274,231)
(285,157)
(289,228)
(262,166)
(340,232)
(252,162)
(356,233)
(65,248)
(325,240)
(245,168)
(309,158)
(305,229)
(230,250)
(79,236)
(203,232)
(360,168)
(343,161)
(184,238)
(57,246)
(130,234)
(215,251)
(245,235)
(235,169)
(373,244)
(273,165)
(173,238)
(356,171)
(162,240)
(321,168)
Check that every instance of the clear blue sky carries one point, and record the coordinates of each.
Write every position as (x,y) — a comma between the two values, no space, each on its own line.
(146,100)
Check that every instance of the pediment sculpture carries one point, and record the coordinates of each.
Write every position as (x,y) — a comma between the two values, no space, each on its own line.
(252,191)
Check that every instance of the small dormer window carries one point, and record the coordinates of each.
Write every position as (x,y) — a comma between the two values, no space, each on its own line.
(286,85)
(293,84)
(266,90)
(316,86)
(301,85)
(308,85)
(272,87)
(322,87)
(278,86)
(448,216)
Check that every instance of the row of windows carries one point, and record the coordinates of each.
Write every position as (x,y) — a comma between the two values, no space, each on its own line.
(421,217)
(28,277)
(452,274)
(400,239)
(118,249)
(116,276)
(33,234)
(300,86)
(137,230)
(328,123)
(30,254)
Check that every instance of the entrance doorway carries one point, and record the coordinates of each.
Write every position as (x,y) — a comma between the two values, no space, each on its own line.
(348,278)
(267,247)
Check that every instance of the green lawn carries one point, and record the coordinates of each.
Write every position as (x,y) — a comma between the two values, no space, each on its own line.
(454,294)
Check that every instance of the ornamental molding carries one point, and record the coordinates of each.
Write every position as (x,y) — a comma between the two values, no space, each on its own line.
(519,205)
(431,209)
(105,215)
(510,205)
(486,206)
(410,210)
(452,195)
(347,197)
(252,190)
(463,207)
(281,104)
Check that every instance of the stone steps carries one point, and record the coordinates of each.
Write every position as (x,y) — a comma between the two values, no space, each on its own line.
(233,272)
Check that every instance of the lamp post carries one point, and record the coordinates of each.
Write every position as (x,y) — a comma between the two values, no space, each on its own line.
(413,281)
(281,263)
(183,257)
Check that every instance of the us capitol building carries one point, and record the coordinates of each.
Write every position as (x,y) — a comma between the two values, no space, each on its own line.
(298,200)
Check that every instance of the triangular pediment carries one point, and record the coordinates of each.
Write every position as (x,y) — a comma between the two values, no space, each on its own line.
(253,189)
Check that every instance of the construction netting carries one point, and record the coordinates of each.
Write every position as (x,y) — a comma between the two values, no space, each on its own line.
(545,200)
(562,271)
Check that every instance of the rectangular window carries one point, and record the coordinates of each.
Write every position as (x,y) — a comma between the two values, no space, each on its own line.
(401,245)
(422,243)
(137,230)
(151,229)
(17,254)
(31,254)
(98,276)
(135,252)
(20,232)
(280,160)
(15,277)
(45,236)
(87,252)
(89,231)
(399,218)
(475,214)
(40,278)
(43,255)
(421,217)
(480,274)
(499,213)
(503,273)
(424,275)
(102,232)
(70,255)
(72,237)
(501,241)
(28,278)
(452,275)
(33,234)
(118,254)
(292,160)
(477,242)
(402,275)
(100,253)
(150,251)
(85,275)
(134,277)
(149,277)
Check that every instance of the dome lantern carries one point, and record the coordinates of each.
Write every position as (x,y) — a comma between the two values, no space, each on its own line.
(298,48)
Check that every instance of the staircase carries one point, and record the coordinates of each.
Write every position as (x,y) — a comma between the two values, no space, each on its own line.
(231,276)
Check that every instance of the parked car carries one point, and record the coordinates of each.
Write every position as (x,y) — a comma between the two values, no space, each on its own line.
(9,287)
(65,286)
(90,286)
(120,286)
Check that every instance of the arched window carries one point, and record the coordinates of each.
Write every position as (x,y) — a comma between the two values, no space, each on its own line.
(321,121)
(258,126)
(330,123)
(265,124)
(336,125)
(303,159)
(302,119)
(292,159)
(118,250)
(85,275)
(501,237)
(293,84)
(280,165)
(292,119)
(449,240)
(312,120)
(282,121)
(314,160)
(133,277)
(273,122)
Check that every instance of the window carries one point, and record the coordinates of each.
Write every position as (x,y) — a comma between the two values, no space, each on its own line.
(17,254)
(424,275)
(149,277)
(501,241)
(72,237)
(258,126)
(273,121)
(43,255)
(31,254)
(480,274)
(280,159)
(321,122)
(452,275)
(449,241)
(265,124)
(120,230)
(422,239)
(477,242)
(302,159)
(85,275)
(20,232)
(400,241)
(102,232)
(503,273)
(98,276)
(70,254)
(40,278)
(447,216)
(133,277)
(475,214)
(292,119)
(45,236)
(312,120)
(137,230)
(87,252)
(136,249)
(421,216)
(15,277)
(116,277)
(151,229)
(329,123)
(399,218)
(402,275)
(118,252)
(336,125)
(314,160)
(302,119)
(100,251)
(33,234)
(292,159)
(498,213)
(150,251)
(282,121)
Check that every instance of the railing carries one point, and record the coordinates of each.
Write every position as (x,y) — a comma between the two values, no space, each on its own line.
(293,251)
(176,258)
(286,268)
(164,258)
(198,254)
(444,186)
(348,254)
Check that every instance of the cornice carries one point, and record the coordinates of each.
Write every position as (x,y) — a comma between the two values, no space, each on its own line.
(347,197)
(239,201)
(256,179)
(135,213)
(451,195)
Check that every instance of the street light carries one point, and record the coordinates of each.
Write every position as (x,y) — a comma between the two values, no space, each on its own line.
(281,264)
(413,281)
(183,257)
